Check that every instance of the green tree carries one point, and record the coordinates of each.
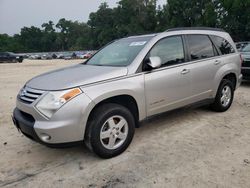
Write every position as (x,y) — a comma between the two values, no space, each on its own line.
(63,36)
(79,36)
(30,38)
(131,17)
(135,16)
(49,37)
(102,28)
(191,13)
(5,42)
(234,16)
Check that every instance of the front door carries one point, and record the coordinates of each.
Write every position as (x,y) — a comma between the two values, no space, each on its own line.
(169,86)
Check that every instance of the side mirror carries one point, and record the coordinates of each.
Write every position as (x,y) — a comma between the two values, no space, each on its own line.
(154,62)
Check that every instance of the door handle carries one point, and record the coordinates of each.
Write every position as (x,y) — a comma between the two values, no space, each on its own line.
(217,62)
(185,71)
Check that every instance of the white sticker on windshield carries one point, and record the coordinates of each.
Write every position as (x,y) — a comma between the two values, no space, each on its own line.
(141,43)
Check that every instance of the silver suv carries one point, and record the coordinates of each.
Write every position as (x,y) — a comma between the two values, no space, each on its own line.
(101,101)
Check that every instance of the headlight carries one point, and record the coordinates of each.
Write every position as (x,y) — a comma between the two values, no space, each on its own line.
(52,101)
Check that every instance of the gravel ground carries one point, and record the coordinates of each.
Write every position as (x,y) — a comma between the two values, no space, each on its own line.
(184,148)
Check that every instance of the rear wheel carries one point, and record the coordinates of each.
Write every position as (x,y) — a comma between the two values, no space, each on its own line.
(110,130)
(224,96)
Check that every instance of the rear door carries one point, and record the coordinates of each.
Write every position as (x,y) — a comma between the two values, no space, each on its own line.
(204,62)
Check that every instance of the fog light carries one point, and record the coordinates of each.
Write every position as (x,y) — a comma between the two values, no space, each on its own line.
(45,137)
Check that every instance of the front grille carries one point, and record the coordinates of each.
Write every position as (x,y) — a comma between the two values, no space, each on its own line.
(29,95)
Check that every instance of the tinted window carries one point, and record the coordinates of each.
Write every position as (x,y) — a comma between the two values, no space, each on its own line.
(170,50)
(224,46)
(200,47)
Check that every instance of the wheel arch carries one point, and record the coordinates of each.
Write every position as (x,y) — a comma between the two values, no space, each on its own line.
(230,75)
(125,100)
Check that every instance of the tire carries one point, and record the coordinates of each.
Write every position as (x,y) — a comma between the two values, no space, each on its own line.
(222,105)
(110,130)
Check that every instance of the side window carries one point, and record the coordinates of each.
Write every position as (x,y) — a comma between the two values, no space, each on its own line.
(200,47)
(170,50)
(224,46)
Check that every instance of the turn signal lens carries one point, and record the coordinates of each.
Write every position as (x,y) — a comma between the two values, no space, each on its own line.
(71,94)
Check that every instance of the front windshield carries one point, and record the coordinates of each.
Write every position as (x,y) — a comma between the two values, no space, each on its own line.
(246,48)
(119,53)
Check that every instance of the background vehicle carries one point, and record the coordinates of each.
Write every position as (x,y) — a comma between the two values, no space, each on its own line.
(10,57)
(68,55)
(80,55)
(245,69)
(102,101)
(60,56)
(35,56)
(25,56)
(87,55)
(241,45)
(47,56)
(54,56)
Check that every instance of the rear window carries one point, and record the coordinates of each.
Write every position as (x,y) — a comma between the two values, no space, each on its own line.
(200,47)
(223,45)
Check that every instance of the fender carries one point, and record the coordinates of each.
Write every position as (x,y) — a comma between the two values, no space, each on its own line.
(132,86)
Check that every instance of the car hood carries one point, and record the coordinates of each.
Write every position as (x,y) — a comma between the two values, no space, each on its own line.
(74,76)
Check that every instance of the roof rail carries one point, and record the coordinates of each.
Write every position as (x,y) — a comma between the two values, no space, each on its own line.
(145,35)
(195,28)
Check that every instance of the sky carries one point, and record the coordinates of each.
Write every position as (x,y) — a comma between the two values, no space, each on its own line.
(15,14)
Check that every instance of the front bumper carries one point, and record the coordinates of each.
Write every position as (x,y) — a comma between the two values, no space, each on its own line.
(66,127)
(25,123)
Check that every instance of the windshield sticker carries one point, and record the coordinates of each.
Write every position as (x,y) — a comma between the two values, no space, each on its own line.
(141,43)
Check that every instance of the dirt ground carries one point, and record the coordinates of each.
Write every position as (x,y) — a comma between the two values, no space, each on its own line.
(183,148)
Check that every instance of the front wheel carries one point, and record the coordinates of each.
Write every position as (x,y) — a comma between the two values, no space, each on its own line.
(224,96)
(110,130)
